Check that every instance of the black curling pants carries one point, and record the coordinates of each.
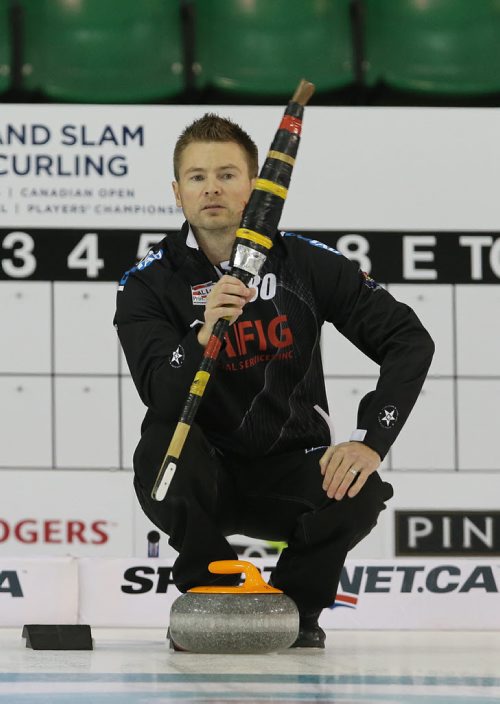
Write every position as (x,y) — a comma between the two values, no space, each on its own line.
(275,498)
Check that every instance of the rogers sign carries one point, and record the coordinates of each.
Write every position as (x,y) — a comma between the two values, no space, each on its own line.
(55,531)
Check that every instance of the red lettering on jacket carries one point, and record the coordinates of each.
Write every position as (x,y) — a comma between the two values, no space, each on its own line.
(245,334)
(287,337)
(277,335)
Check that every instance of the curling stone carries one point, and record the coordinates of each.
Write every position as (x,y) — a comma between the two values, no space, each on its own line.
(251,618)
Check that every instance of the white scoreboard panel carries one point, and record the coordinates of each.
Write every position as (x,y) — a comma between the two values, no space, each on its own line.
(66,386)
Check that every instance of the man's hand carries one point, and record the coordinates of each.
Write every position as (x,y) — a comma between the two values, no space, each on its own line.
(226,300)
(347,465)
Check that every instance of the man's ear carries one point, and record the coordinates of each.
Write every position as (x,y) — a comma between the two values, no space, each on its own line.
(175,188)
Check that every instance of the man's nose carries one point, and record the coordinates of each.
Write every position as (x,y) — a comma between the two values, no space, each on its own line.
(212,186)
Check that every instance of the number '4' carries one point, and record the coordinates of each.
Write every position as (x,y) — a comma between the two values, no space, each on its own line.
(86,256)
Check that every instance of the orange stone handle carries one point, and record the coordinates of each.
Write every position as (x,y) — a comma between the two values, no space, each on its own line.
(253,584)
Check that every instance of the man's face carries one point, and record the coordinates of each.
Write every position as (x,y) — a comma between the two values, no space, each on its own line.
(214,185)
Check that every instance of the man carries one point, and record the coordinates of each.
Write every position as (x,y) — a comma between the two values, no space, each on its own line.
(259,460)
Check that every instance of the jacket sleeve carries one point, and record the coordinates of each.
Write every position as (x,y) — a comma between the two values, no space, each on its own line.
(389,333)
(163,358)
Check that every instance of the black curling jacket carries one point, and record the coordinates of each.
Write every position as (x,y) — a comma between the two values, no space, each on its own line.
(261,396)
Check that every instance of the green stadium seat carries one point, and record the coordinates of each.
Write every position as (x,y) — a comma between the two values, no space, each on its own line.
(5,46)
(103,51)
(265,47)
(446,47)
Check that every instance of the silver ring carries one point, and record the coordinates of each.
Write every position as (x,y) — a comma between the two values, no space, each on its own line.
(354,471)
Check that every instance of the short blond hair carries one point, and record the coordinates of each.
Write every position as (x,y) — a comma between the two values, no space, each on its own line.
(213,128)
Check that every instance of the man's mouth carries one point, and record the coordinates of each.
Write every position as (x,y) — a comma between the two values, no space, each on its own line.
(213,207)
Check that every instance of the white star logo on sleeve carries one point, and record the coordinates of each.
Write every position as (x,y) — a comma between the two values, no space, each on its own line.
(388,416)
(177,357)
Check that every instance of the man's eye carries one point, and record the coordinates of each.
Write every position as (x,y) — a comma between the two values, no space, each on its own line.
(228,176)
(196,177)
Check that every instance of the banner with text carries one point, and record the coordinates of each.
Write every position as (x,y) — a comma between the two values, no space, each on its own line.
(430,594)
(110,166)
(383,594)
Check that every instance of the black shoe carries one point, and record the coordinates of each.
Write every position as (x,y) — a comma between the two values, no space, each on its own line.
(311,635)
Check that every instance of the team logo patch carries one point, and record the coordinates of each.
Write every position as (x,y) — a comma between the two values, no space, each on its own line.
(369,282)
(177,357)
(200,293)
(388,416)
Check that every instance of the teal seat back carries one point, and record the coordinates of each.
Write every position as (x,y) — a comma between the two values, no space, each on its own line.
(265,47)
(103,50)
(433,46)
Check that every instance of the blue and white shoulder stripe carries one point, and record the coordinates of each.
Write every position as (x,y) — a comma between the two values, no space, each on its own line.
(313,243)
(151,256)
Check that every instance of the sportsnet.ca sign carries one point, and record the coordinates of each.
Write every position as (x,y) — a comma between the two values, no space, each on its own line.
(410,579)
(355,581)
(417,594)
(382,594)
(374,594)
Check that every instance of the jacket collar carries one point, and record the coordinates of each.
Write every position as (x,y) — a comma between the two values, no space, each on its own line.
(190,238)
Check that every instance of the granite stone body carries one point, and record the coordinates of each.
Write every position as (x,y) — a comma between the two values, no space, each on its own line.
(233,623)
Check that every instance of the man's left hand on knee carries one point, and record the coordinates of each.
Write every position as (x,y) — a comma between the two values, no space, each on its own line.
(346,467)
